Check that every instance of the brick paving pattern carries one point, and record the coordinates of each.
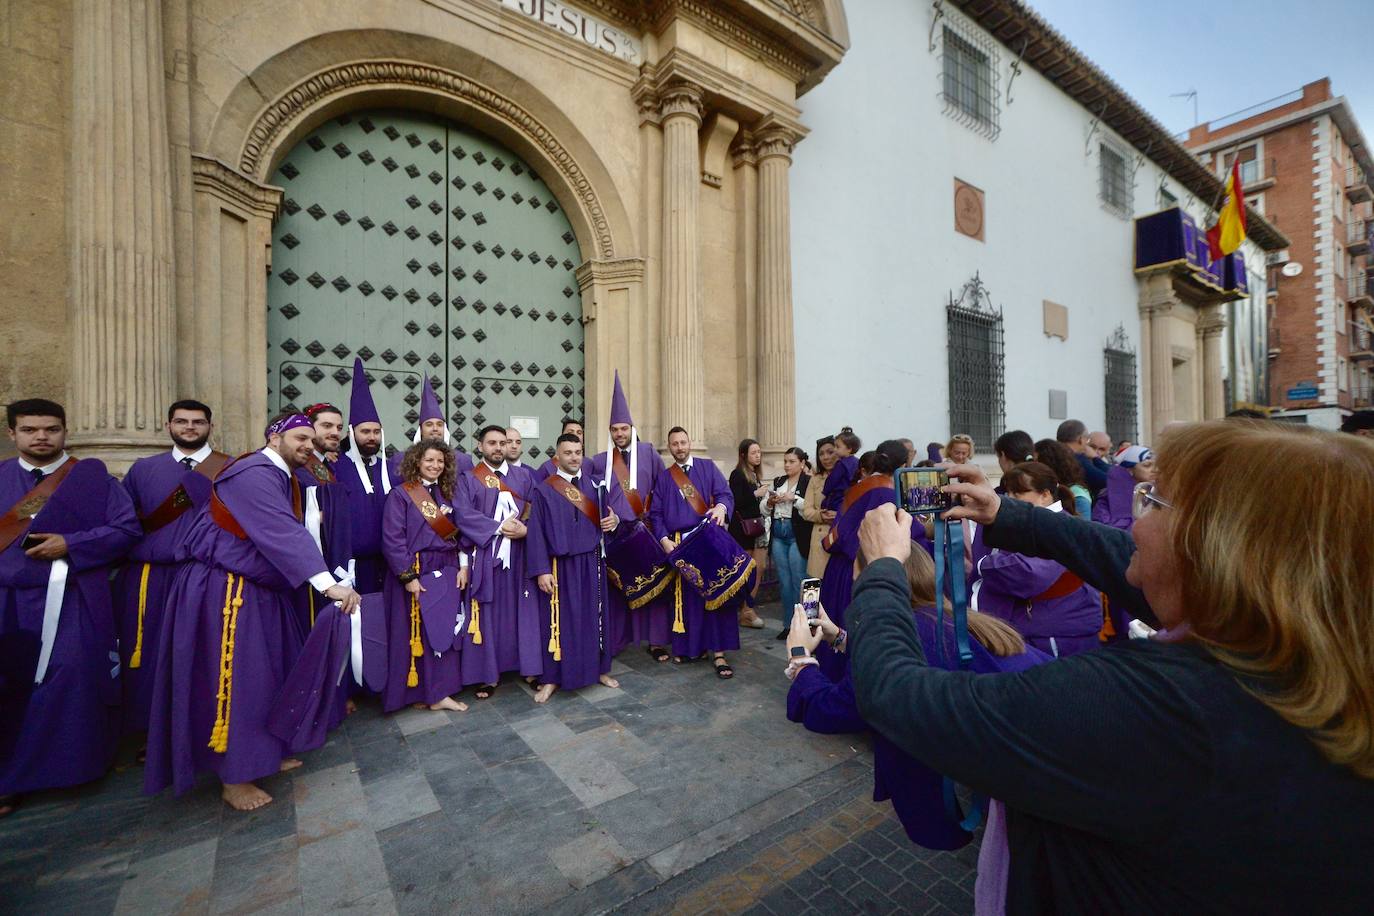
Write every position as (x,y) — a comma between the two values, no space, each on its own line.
(678,793)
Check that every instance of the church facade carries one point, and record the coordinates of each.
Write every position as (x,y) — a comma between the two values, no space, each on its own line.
(515,198)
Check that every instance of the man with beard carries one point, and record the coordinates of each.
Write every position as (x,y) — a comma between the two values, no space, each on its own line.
(230,639)
(366,480)
(503,622)
(633,468)
(571,427)
(64,523)
(326,502)
(168,490)
(432,425)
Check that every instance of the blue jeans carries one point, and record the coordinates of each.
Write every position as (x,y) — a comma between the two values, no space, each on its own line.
(787,560)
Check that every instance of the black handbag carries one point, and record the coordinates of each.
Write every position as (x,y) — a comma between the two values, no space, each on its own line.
(751,527)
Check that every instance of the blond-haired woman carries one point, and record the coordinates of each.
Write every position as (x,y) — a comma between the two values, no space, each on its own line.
(811,510)
(1228,767)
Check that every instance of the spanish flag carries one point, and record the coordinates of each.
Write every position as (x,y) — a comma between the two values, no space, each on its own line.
(1228,232)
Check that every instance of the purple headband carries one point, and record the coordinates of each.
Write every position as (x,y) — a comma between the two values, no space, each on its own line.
(290,421)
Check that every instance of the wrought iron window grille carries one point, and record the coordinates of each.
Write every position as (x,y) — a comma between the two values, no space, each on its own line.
(1116,179)
(977,383)
(1120,386)
(969,76)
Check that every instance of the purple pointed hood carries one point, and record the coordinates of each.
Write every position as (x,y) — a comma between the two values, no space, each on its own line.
(429,404)
(620,408)
(361,408)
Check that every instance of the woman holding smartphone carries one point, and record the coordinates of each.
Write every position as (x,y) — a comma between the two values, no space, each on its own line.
(789,530)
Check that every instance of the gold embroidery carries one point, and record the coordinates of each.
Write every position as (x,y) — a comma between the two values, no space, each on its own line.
(689,492)
(492,481)
(429,509)
(573,494)
(31,506)
(690,573)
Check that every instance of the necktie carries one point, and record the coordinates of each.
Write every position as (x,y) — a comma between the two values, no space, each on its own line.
(501,475)
(190,463)
(625,455)
(686,468)
(576,480)
(37,475)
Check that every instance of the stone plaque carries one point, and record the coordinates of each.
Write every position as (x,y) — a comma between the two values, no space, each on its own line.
(968,210)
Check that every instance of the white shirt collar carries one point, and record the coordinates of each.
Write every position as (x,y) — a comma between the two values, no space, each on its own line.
(197,456)
(502,470)
(1056,506)
(515,463)
(276,459)
(320,455)
(428,483)
(685,465)
(48,468)
(566,476)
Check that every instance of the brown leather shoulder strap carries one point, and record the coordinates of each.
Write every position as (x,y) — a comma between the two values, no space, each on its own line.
(622,474)
(16,521)
(575,496)
(179,500)
(212,465)
(687,489)
(867,485)
(1066,584)
(429,510)
(320,470)
(220,514)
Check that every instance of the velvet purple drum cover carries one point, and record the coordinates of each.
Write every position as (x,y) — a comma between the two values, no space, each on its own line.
(441,608)
(636,564)
(711,563)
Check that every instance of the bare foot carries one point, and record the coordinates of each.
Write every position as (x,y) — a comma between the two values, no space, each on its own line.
(289,763)
(450,704)
(8,803)
(419,706)
(609,681)
(244,796)
(544,692)
(350,707)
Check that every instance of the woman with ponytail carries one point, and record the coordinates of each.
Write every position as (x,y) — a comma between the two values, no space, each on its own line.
(1051,607)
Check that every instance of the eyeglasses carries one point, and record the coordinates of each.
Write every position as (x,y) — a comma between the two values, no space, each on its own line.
(961,437)
(1144,500)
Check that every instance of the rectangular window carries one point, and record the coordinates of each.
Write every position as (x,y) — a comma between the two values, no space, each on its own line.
(1249,164)
(1120,389)
(1166,199)
(1114,180)
(969,83)
(977,395)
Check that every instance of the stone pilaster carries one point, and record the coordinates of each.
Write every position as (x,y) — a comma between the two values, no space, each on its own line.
(1212,324)
(683,357)
(777,357)
(1156,311)
(122,300)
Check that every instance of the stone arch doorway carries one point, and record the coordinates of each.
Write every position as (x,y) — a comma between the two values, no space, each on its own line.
(425,248)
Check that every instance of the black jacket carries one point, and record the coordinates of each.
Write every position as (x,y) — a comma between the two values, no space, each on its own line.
(800,526)
(1139,778)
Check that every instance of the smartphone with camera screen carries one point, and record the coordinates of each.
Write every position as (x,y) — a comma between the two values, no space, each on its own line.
(811,599)
(920,491)
(30,541)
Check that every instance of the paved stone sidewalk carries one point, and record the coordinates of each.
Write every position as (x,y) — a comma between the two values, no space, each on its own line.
(677,793)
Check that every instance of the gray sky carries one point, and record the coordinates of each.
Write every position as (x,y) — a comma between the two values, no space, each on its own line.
(1234,53)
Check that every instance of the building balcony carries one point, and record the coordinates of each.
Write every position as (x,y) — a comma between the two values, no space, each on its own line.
(1360,398)
(1357,185)
(1258,175)
(1360,292)
(1361,343)
(1357,237)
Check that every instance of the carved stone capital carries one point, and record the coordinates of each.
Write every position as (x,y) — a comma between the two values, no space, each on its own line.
(218,178)
(744,152)
(681,100)
(776,142)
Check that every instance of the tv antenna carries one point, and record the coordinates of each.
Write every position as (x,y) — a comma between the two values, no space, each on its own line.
(1190,94)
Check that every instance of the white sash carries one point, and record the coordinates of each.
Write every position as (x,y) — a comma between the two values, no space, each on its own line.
(313,516)
(52,615)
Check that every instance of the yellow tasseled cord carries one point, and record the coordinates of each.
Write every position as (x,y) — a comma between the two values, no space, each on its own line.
(310,594)
(555,645)
(474,625)
(417,648)
(678,626)
(136,659)
(219,735)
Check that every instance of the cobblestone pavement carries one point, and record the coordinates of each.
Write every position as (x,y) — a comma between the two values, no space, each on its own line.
(678,793)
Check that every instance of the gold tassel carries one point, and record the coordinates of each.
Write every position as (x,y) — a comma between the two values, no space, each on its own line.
(1108,631)
(310,595)
(417,648)
(219,735)
(474,626)
(678,626)
(136,660)
(555,645)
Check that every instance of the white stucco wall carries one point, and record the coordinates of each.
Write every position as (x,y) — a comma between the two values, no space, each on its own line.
(875,252)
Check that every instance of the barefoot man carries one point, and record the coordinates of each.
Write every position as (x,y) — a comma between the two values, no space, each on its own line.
(230,635)
(570,514)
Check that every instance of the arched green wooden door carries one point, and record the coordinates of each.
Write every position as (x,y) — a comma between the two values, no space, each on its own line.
(426,249)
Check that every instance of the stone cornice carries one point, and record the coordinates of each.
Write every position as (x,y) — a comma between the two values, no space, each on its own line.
(275,121)
(221,179)
(629,270)
(722,91)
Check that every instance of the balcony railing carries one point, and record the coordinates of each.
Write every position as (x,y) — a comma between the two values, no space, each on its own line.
(1361,342)
(1258,174)
(1357,185)
(1359,398)
(1359,291)
(1357,233)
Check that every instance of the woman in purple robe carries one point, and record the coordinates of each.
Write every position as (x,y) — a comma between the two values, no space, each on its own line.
(420,531)
(59,693)
(845,470)
(563,554)
(843,541)
(1115,504)
(1055,610)
(916,791)
(231,634)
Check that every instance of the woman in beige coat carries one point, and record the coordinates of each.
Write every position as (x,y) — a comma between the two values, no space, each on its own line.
(811,508)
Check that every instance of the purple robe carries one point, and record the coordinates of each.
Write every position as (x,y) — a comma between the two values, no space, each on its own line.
(544,470)
(508,612)
(336,533)
(363,511)
(561,532)
(652,623)
(1006,585)
(845,471)
(829,707)
(1115,503)
(271,565)
(837,584)
(149,482)
(670,515)
(62,732)
(406,535)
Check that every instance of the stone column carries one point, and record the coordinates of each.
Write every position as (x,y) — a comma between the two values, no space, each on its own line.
(1212,324)
(1156,306)
(777,359)
(683,357)
(120,212)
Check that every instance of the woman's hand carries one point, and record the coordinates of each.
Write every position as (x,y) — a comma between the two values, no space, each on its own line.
(828,516)
(829,629)
(762,490)
(414,587)
(980,501)
(884,533)
(801,634)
